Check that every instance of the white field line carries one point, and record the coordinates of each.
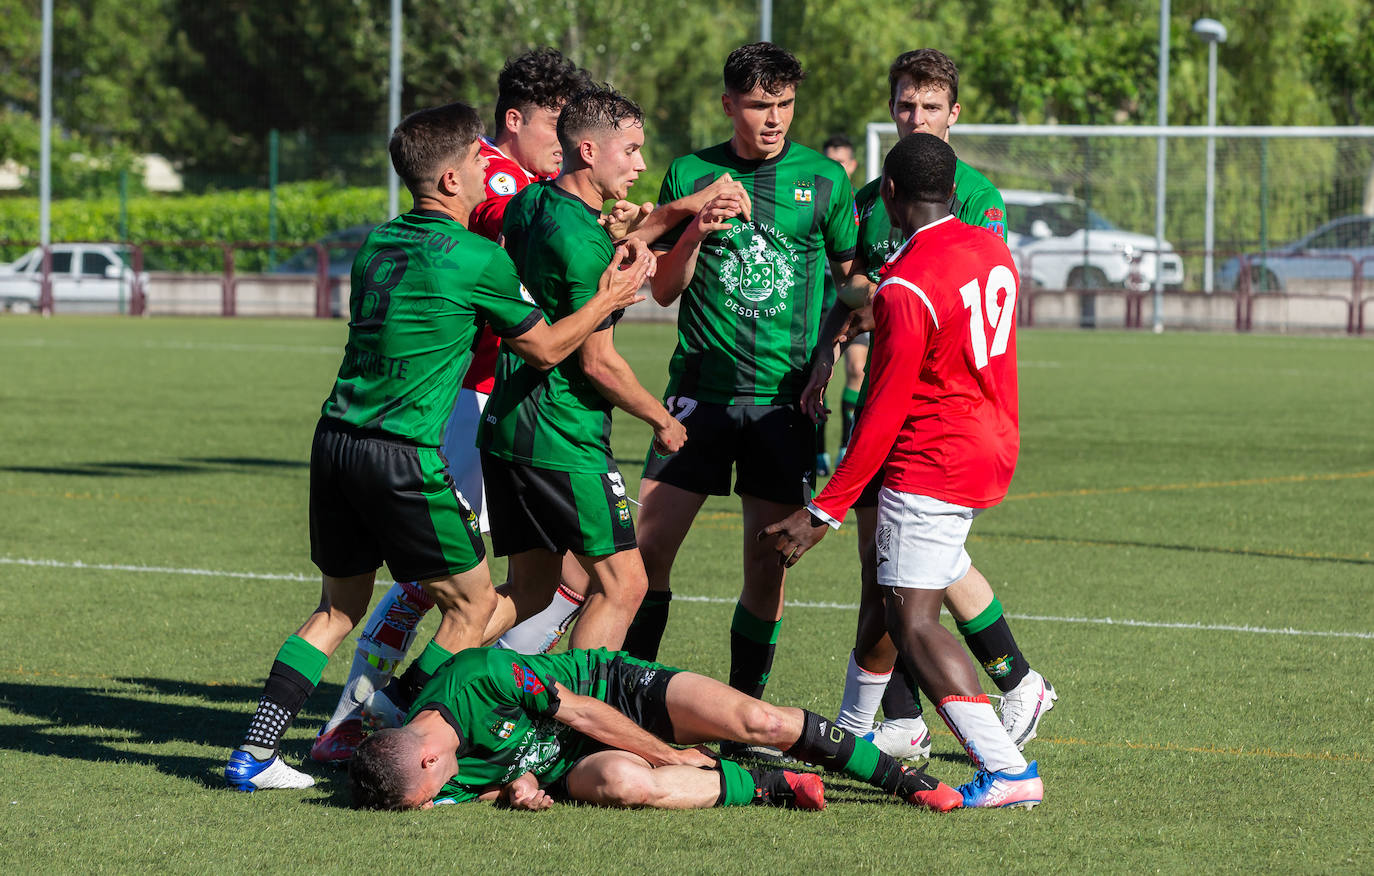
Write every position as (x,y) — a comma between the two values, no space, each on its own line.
(710,600)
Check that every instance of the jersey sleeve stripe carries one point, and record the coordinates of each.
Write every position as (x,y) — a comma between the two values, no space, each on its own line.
(535,317)
(898,281)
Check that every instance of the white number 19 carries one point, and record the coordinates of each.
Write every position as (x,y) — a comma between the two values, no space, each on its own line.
(979,302)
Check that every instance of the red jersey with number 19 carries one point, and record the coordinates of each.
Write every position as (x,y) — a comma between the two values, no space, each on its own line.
(505,177)
(941,419)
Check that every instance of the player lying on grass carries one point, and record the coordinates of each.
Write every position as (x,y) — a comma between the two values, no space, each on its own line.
(422,285)
(590,726)
(941,423)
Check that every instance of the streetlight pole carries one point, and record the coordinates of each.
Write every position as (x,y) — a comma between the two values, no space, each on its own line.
(1211,32)
(1161,166)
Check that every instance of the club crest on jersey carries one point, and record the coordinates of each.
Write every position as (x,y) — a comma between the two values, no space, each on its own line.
(622,508)
(998,228)
(756,272)
(528,681)
(802,196)
(993,213)
(503,729)
(502,183)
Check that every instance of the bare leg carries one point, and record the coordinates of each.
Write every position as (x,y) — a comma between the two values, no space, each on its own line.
(467,601)
(763,575)
(619,778)
(873,648)
(969,596)
(531,578)
(703,709)
(618,587)
(664,519)
(343,604)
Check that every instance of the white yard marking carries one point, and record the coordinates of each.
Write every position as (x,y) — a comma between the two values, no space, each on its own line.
(709,600)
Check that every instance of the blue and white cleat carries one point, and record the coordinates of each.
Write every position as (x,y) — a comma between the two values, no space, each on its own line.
(1001,789)
(246,773)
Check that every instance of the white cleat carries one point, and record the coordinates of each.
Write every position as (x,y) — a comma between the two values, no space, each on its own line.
(1024,705)
(245,773)
(902,738)
(380,713)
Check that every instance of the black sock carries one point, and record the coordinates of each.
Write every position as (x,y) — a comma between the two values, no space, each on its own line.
(847,409)
(645,635)
(283,695)
(771,788)
(901,700)
(995,648)
(753,641)
(836,749)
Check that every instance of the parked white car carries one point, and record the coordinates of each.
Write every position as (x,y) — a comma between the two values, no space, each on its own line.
(85,276)
(1046,234)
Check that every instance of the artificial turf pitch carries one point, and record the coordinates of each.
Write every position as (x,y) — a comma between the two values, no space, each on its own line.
(1186,554)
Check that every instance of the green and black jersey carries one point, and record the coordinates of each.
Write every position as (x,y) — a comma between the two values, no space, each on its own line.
(502,704)
(976,202)
(555,419)
(749,318)
(422,284)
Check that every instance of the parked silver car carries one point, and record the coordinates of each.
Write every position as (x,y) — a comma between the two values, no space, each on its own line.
(1324,257)
(85,276)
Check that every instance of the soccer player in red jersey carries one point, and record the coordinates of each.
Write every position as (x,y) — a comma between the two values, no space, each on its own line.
(941,422)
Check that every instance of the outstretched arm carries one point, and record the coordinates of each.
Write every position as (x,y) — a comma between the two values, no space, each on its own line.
(593,718)
(613,378)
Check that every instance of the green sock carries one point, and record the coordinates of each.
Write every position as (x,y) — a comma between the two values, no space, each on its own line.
(736,785)
(303,657)
(986,618)
(432,658)
(752,643)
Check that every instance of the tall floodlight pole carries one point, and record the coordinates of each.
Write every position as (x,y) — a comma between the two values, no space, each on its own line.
(1211,32)
(394,109)
(766,21)
(45,131)
(1161,164)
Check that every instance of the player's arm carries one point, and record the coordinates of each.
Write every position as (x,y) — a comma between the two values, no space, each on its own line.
(613,378)
(544,345)
(676,267)
(841,323)
(591,717)
(903,323)
(669,215)
(986,209)
(522,793)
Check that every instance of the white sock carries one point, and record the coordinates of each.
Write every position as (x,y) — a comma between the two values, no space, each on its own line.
(387,635)
(540,633)
(863,693)
(974,723)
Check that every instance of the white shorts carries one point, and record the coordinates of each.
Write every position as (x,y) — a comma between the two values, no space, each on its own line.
(460,449)
(921,540)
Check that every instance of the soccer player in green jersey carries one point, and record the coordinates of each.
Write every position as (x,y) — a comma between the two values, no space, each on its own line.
(591,726)
(379,488)
(923,96)
(749,315)
(552,483)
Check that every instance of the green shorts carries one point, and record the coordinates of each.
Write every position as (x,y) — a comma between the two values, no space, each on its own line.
(532,508)
(376,498)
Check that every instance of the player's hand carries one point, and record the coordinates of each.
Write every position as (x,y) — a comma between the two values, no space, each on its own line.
(794,536)
(859,321)
(695,757)
(715,214)
(669,436)
(625,276)
(817,379)
(639,252)
(625,218)
(524,793)
(724,185)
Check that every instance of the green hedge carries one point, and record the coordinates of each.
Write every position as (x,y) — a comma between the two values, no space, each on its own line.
(305,212)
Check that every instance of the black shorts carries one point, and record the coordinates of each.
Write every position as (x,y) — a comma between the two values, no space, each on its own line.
(869,497)
(532,508)
(376,498)
(772,449)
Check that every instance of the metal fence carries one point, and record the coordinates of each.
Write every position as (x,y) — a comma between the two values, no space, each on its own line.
(1293,233)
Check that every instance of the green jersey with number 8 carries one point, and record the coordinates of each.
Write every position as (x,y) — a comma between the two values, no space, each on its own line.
(421,286)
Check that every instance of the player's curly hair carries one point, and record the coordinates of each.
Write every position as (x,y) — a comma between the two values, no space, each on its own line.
(764,65)
(428,139)
(595,109)
(541,77)
(376,775)
(921,167)
(925,68)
